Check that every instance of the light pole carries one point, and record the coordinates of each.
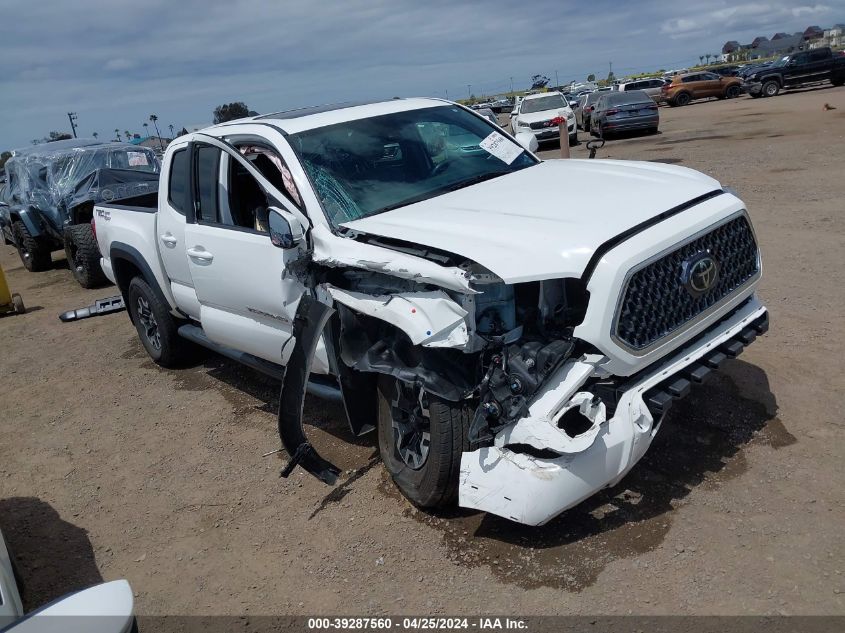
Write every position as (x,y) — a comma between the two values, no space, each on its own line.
(557,81)
(511,85)
(154,118)
(469,91)
(71,116)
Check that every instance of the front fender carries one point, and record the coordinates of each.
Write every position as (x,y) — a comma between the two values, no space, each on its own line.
(29,219)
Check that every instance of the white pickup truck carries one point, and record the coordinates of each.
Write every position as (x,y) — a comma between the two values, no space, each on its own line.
(513,355)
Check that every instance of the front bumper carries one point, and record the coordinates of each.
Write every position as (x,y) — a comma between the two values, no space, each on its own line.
(519,479)
(753,87)
(551,133)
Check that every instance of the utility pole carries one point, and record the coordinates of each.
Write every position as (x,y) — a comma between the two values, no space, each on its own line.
(557,81)
(71,116)
(469,90)
(447,95)
(511,84)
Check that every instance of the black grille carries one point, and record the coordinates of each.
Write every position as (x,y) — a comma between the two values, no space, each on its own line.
(656,302)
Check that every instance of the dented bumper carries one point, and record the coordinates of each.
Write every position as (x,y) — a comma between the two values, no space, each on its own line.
(522,478)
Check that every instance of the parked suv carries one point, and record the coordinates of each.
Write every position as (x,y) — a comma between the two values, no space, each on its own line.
(797,69)
(700,85)
(539,114)
(652,87)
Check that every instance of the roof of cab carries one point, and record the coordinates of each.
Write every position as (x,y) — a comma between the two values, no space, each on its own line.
(299,120)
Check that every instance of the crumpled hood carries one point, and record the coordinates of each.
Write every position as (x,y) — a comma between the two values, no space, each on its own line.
(542,222)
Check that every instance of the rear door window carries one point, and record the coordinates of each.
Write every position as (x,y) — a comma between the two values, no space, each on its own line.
(208,176)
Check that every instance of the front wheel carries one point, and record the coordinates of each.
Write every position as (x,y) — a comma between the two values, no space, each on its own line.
(83,256)
(770,89)
(839,81)
(421,438)
(156,327)
(732,92)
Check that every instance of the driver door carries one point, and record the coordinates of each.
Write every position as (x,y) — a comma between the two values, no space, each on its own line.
(246,293)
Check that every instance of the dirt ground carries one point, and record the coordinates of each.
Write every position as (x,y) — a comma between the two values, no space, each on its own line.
(111,467)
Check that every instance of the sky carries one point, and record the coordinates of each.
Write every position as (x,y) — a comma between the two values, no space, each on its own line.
(115,62)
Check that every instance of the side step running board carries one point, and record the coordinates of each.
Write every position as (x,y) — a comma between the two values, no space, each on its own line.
(100,307)
(324,387)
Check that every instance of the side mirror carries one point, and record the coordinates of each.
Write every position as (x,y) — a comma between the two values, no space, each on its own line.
(285,230)
(528,141)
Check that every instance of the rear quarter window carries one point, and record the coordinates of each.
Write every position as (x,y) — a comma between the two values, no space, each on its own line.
(177,188)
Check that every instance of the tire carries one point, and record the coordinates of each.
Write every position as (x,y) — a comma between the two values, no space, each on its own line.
(156,327)
(755,95)
(17,304)
(83,256)
(732,92)
(432,480)
(34,252)
(770,89)
(573,139)
(839,81)
(681,99)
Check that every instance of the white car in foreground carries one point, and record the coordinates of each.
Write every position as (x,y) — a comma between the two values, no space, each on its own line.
(541,115)
(104,608)
(514,353)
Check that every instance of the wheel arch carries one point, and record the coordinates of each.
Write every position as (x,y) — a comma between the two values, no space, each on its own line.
(128,263)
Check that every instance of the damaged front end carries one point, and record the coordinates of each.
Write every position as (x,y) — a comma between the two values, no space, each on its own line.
(543,425)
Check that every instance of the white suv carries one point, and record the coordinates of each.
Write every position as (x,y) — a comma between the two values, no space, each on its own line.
(540,114)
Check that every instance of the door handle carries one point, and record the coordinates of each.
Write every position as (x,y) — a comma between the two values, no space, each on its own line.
(168,239)
(199,253)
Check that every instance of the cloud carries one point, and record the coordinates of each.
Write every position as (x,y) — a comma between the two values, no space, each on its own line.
(115,63)
(120,63)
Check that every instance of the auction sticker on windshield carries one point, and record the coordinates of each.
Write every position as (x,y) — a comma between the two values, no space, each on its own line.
(501,147)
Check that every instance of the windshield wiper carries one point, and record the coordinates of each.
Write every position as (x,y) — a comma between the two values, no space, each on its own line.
(473,181)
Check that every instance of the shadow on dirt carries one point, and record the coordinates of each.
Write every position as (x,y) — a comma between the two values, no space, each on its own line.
(701,443)
(54,557)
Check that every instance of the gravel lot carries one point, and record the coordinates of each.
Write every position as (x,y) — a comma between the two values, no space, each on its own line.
(111,467)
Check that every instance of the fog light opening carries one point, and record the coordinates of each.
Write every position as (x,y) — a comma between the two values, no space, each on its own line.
(574,423)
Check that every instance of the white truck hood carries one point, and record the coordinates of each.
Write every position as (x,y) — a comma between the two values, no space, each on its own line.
(545,115)
(543,222)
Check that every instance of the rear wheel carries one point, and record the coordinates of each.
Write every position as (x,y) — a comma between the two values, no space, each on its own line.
(421,438)
(34,251)
(682,99)
(83,256)
(156,327)
(770,89)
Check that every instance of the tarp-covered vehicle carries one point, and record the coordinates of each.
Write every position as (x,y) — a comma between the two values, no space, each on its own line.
(50,197)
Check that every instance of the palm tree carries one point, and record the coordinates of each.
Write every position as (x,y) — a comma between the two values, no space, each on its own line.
(707,56)
(94,134)
(171,130)
(701,59)
(154,118)
(128,135)
(146,130)
(117,133)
